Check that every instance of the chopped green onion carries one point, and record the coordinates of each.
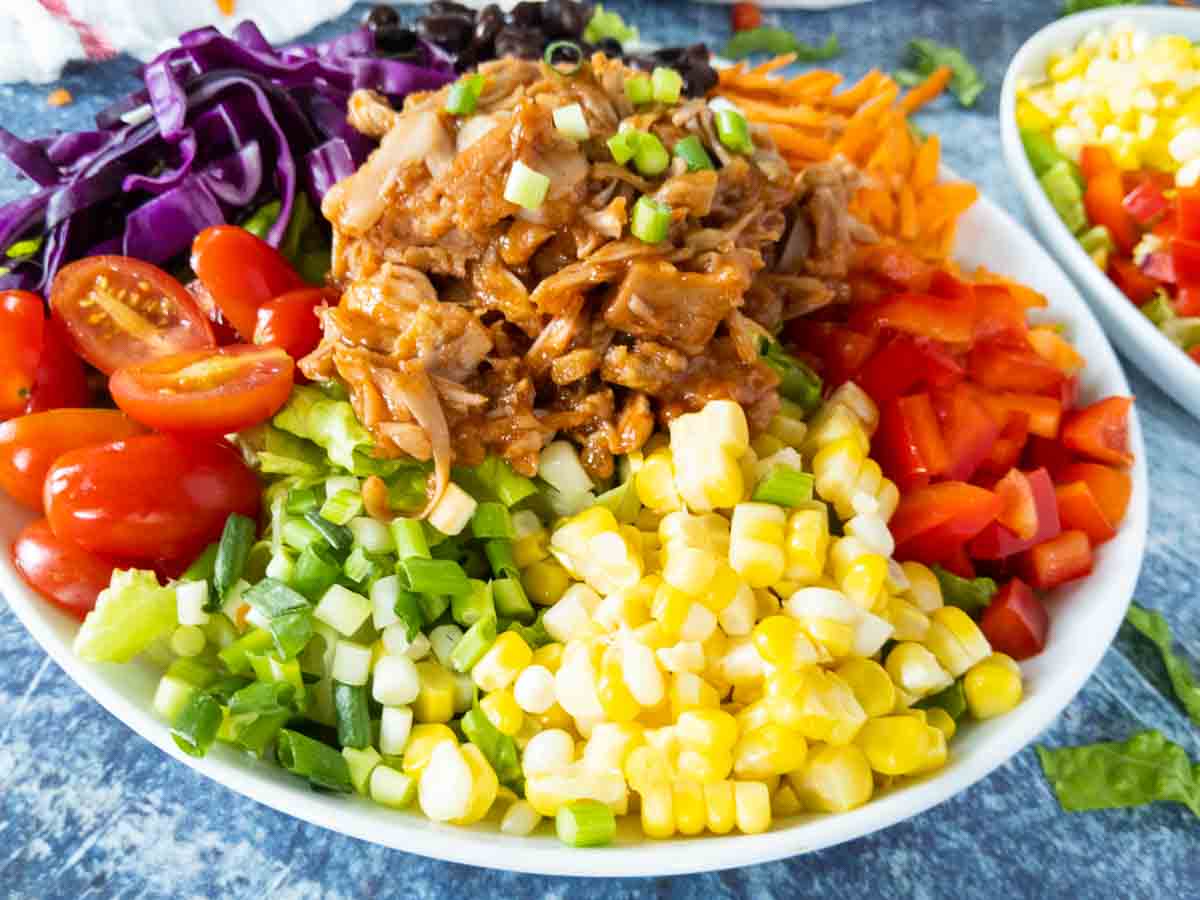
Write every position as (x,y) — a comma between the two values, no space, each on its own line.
(639,90)
(496,478)
(467,609)
(302,500)
(534,635)
(1043,154)
(323,766)
(299,534)
(797,382)
(500,559)
(435,576)
(733,131)
(337,536)
(260,697)
(315,571)
(409,537)
(585,823)
(623,501)
(237,655)
(511,600)
(666,85)
(391,788)
(650,157)
(926,56)
(353,717)
(525,187)
(1158,309)
(784,486)
(195,728)
(262,219)
(476,642)
(432,606)
(341,507)
(406,490)
(361,568)
(204,567)
(491,520)
(464,95)
(571,123)
(372,536)
(1096,239)
(692,152)
(362,764)
(651,220)
(574,59)
(273,598)
(1065,195)
(408,611)
(498,748)
(291,632)
(1183,331)
(194,673)
(623,145)
(607,24)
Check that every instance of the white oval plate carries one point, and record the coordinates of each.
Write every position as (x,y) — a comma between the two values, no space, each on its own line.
(1085,617)
(1137,336)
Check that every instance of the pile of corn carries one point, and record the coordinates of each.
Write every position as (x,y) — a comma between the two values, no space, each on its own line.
(717,662)
(1134,93)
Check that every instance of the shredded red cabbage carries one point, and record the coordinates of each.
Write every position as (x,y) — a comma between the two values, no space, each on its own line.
(223,124)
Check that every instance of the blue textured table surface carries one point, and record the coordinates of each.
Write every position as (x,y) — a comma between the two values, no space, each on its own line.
(87,809)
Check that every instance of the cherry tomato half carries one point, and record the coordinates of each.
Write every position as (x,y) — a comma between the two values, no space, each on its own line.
(151,497)
(118,311)
(60,381)
(745,16)
(290,321)
(22,327)
(66,575)
(29,445)
(209,392)
(241,272)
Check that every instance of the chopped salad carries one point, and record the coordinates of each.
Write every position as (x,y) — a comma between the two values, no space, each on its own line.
(615,459)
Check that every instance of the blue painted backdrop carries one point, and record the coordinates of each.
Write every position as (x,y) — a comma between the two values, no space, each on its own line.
(87,809)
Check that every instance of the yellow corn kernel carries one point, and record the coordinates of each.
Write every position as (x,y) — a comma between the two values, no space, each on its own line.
(610,745)
(938,751)
(756,543)
(857,401)
(766,444)
(702,729)
(896,745)
(752,806)
(627,609)
(615,699)
(655,482)
(484,785)
(955,640)
(834,779)
(824,709)
(721,589)
(720,806)
(549,655)
(435,702)
(530,549)
(421,741)
(658,811)
(807,544)
(502,710)
(704,766)
(554,717)
(835,638)
(775,639)
(502,663)
(691,814)
(690,691)
(766,751)
(871,685)
(887,498)
(835,469)
(670,609)
(861,579)
(869,482)
(993,686)
(924,590)
(915,670)
(784,802)
(646,767)
(787,428)
(545,581)
(942,721)
(909,622)
(831,424)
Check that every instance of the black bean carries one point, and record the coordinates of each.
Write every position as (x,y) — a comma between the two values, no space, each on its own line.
(396,40)
(644,63)
(523,43)
(381,17)
(565,18)
(698,80)
(468,57)
(610,47)
(441,7)
(487,25)
(449,31)
(526,15)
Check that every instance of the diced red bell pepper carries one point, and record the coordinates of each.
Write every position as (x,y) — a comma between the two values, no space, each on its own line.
(1068,395)
(1045,413)
(931,521)
(967,429)
(923,315)
(1095,160)
(1058,560)
(1145,203)
(1037,504)
(1102,199)
(895,264)
(1194,353)
(999,315)
(864,288)
(904,364)
(1187,213)
(1006,451)
(909,442)
(1019,514)
(1079,511)
(1055,349)
(1187,300)
(1160,266)
(1133,282)
(1048,454)
(1111,487)
(1016,622)
(951,287)
(958,562)
(1000,368)
(1185,260)
(842,352)
(1101,431)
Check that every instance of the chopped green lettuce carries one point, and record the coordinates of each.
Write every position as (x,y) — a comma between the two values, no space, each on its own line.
(1144,769)
(1154,627)
(776,42)
(925,57)
(330,424)
(132,613)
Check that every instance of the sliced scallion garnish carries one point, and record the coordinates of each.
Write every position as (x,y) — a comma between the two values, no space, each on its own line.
(692,152)
(651,220)
(666,85)
(525,187)
(570,122)
(560,52)
(464,94)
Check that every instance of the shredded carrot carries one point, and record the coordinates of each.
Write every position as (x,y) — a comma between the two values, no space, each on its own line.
(866,123)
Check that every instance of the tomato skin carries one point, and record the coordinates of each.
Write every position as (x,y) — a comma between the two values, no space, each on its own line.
(290,321)
(1101,431)
(158,316)
(29,445)
(1016,622)
(206,392)
(241,272)
(60,381)
(22,332)
(66,575)
(147,498)
(745,16)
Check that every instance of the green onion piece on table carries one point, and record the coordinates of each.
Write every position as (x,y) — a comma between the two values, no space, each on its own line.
(925,57)
(776,42)
(1154,628)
